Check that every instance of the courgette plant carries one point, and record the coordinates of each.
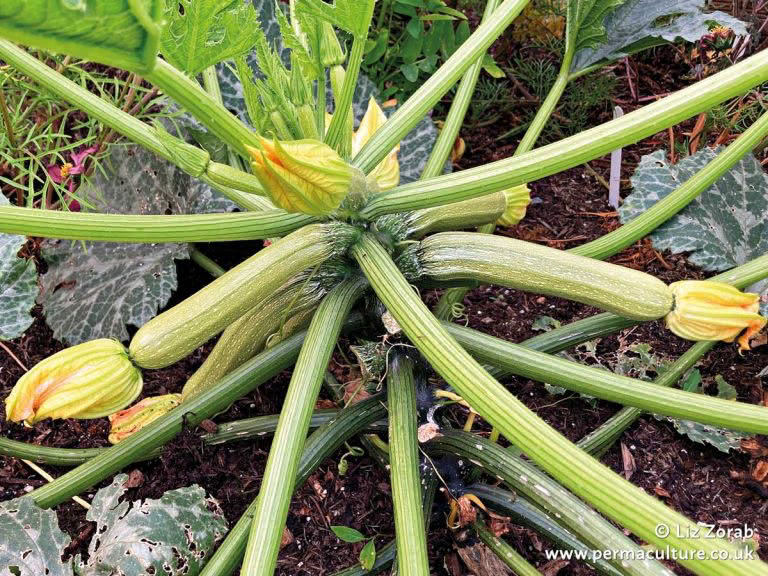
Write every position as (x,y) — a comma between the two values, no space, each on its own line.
(342,231)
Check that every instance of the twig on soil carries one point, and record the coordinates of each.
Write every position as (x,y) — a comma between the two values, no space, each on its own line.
(15,358)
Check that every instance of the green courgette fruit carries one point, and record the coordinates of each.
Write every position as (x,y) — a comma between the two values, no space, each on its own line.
(542,270)
(248,335)
(176,333)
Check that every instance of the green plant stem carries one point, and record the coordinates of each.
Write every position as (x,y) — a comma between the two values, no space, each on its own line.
(237,384)
(188,93)
(519,565)
(404,469)
(7,120)
(454,296)
(441,151)
(567,153)
(524,513)
(547,108)
(603,437)
(606,385)
(277,487)
(226,176)
(417,106)
(221,227)
(187,157)
(109,115)
(205,262)
(338,131)
(678,199)
(319,446)
(529,482)
(597,484)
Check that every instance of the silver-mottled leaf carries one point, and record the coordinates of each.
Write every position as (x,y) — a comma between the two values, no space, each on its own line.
(723,440)
(726,226)
(172,536)
(31,542)
(18,286)
(640,24)
(95,290)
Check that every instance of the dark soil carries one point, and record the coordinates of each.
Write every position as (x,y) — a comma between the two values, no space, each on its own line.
(569,209)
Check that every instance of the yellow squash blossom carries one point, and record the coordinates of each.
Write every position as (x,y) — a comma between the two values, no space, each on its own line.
(518,199)
(706,310)
(305,176)
(133,419)
(87,381)
(387,173)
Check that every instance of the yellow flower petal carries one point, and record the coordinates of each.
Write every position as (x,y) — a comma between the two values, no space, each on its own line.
(518,199)
(90,380)
(133,419)
(387,173)
(303,175)
(706,310)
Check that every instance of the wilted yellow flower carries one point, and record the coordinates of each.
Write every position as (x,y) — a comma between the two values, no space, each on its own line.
(518,199)
(387,173)
(302,175)
(133,419)
(706,310)
(90,380)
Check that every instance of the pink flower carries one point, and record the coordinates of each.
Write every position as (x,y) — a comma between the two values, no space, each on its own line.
(61,174)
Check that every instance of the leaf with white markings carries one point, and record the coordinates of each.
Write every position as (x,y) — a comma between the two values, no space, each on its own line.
(113,32)
(94,290)
(174,535)
(31,542)
(201,33)
(726,226)
(18,286)
(613,29)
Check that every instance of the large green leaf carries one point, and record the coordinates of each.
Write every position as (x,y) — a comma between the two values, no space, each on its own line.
(726,226)
(354,16)
(18,286)
(639,24)
(172,536)
(93,291)
(201,33)
(31,543)
(121,33)
(585,22)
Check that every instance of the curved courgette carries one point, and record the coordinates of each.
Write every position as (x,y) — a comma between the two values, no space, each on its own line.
(174,334)
(248,335)
(542,270)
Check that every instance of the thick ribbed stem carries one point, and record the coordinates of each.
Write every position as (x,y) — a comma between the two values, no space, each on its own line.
(338,131)
(528,481)
(404,469)
(570,152)
(519,565)
(606,385)
(224,227)
(417,106)
(667,207)
(597,484)
(202,106)
(441,151)
(602,438)
(277,485)
(524,513)
(319,446)
(156,434)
